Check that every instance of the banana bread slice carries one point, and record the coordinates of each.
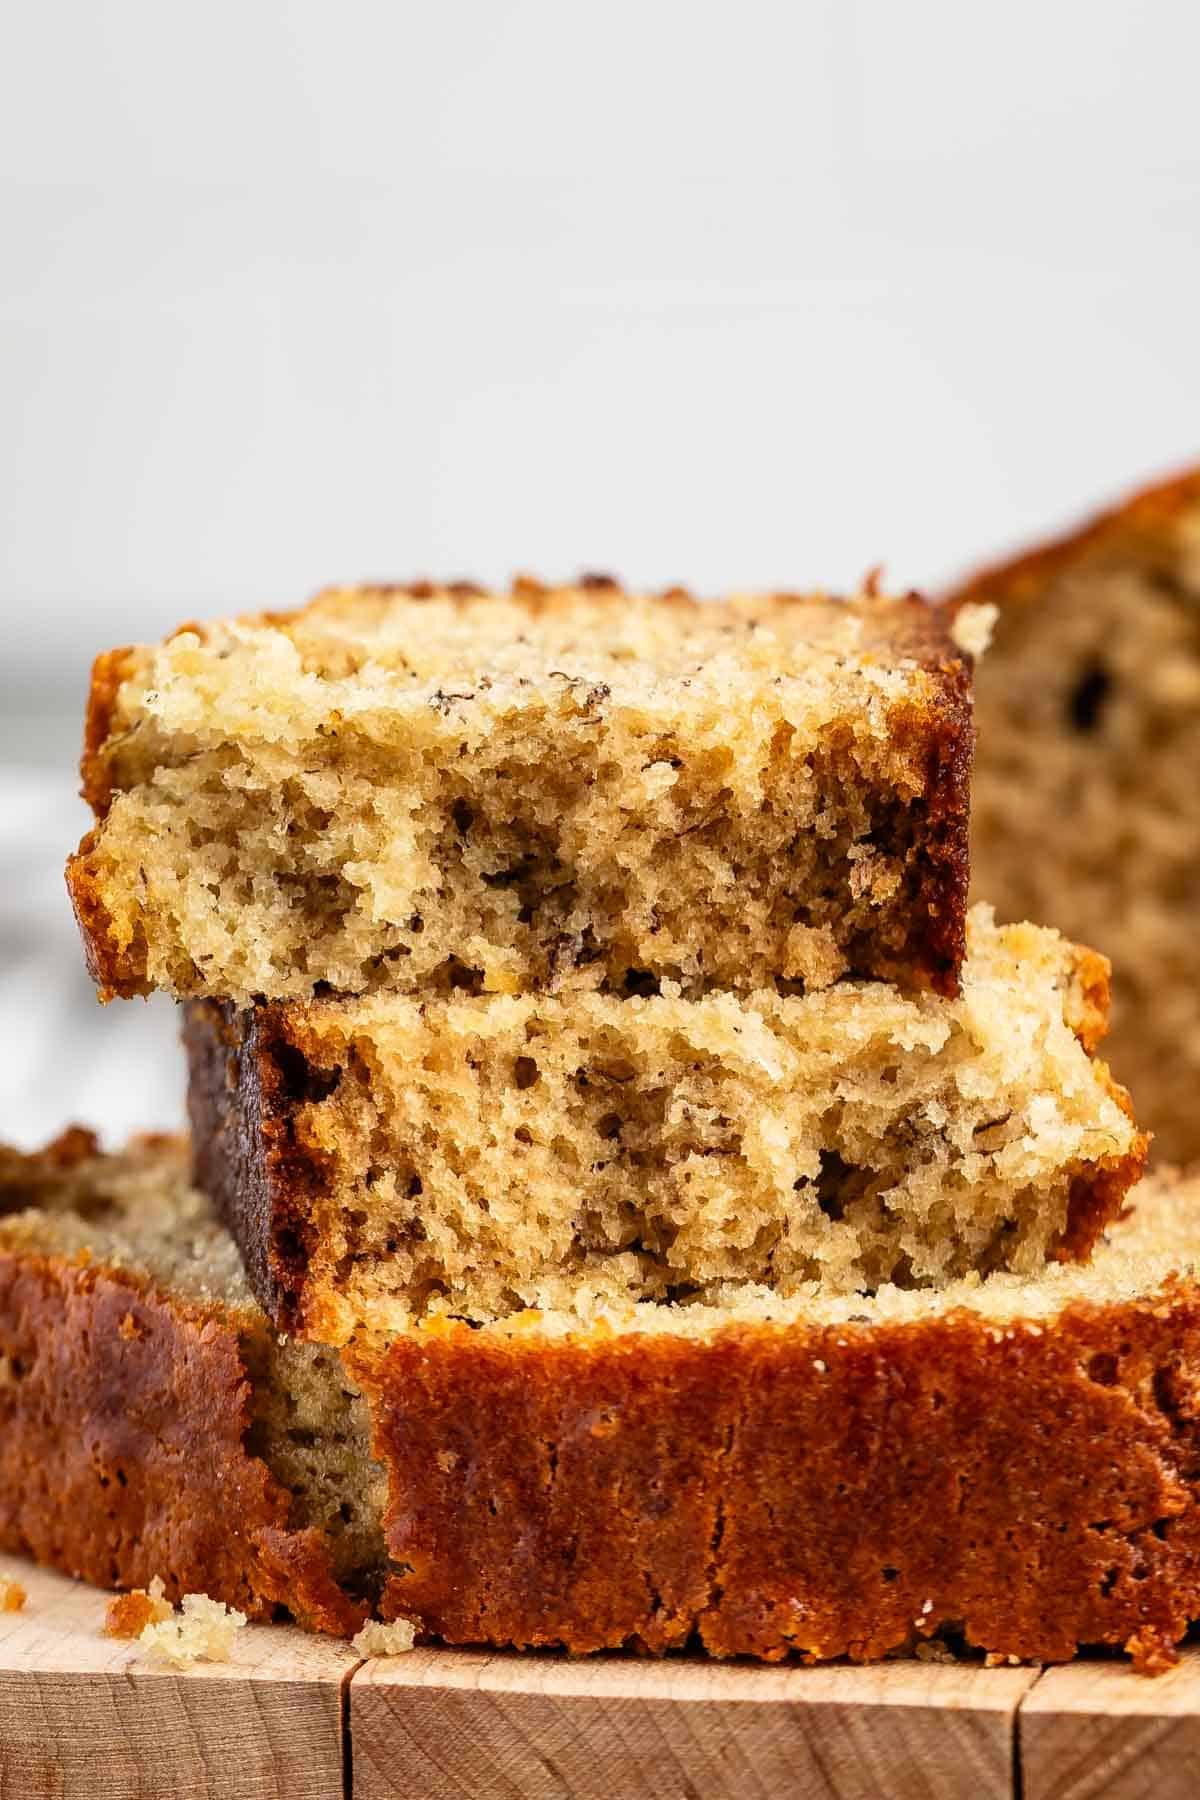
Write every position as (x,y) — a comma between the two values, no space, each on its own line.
(1010,1464)
(407,789)
(1086,805)
(151,1422)
(482,1156)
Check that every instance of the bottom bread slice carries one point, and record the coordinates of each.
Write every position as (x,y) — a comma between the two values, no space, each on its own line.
(150,1421)
(1010,1464)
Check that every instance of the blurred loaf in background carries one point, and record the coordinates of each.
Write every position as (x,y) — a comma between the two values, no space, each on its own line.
(1086,797)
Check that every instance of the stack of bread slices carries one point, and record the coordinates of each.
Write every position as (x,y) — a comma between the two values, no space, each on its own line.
(631,1201)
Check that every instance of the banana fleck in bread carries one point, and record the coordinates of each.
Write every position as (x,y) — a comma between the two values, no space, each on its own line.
(1012,1463)
(1086,804)
(410,789)
(481,1156)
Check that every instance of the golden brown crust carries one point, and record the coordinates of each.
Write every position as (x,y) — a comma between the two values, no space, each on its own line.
(108,672)
(1093,973)
(1098,1192)
(932,914)
(118,970)
(123,1423)
(823,1492)
(128,1615)
(12,1596)
(907,624)
(24,1175)
(1143,519)
(937,943)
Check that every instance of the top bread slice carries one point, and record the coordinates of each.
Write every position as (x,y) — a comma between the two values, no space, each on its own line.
(421,789)
(1086,802)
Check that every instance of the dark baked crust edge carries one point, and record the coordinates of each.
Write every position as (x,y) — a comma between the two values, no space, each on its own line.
(245,1153)
(124,1414)
(937,942)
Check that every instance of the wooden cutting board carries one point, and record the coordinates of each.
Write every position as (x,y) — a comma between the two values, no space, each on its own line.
(300,1718)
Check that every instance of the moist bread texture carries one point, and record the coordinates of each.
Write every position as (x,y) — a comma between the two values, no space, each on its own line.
(1009,1464)
(407,789)
(151,1422)
(1086,798)
(386,1157)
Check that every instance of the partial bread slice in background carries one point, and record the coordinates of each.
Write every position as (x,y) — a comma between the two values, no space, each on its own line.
(387,1157)
(1086,797)
(151,1422)
(413,789)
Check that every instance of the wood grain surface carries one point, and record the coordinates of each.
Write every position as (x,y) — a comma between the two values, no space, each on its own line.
(454,1724)
(1092,1728)
(292,1717)
(88,1716)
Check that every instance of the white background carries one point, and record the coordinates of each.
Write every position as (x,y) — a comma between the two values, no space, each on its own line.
(728,294)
